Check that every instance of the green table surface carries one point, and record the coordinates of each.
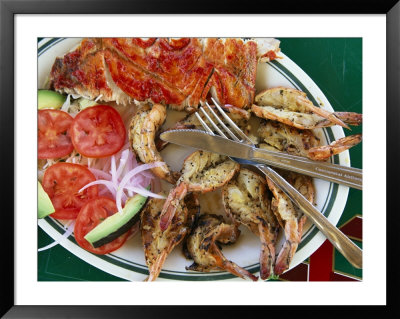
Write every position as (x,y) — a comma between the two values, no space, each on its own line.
(335,65)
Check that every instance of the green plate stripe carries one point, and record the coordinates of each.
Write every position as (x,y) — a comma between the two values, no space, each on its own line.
(48,45)
(219,275)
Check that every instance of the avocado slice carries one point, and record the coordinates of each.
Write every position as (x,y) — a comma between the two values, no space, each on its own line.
(119,223)
(45,206)
(48,99)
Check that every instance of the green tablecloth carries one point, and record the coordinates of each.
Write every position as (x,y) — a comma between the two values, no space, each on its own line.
(335,65)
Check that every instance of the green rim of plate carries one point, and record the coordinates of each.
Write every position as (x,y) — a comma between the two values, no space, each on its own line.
(215,275)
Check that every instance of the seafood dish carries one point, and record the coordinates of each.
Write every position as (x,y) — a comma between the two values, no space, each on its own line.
(102,168)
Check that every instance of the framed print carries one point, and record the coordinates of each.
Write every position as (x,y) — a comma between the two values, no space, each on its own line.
(84,60)
(128,263)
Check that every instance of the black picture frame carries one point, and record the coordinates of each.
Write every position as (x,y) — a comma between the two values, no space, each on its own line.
(9,9)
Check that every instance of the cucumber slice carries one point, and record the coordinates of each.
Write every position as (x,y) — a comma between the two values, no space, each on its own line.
(45,206)
(119,223)
(84,103)
(48,99)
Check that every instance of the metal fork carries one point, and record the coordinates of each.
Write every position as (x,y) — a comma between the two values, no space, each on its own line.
(342,243)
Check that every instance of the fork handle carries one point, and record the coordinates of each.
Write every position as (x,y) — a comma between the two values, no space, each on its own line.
(342,243)
(348,176)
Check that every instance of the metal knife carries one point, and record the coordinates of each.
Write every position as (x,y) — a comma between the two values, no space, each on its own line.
(339,174)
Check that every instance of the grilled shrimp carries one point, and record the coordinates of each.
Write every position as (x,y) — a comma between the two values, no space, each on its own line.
(277,136)
(281,137)
(246,202)
(202,172)
(291,107)
(203,249)
(290,217)
(142,132)
(158,244)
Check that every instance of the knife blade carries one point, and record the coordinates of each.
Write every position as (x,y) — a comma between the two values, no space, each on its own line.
(245,153)
(206,141)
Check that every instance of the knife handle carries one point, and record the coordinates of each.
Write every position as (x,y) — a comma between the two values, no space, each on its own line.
(342,243)
(348,176)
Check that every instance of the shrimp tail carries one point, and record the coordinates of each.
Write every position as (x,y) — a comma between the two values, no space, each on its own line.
(232,267)
(351,118)
(267,255)
(321,153)
(238,271)
(155,268)
(171,204)
(284,257)
(225,264)
(321,112)
(293,233)
(267,260)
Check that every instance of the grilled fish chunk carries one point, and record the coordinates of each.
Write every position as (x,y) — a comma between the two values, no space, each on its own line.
(84,72)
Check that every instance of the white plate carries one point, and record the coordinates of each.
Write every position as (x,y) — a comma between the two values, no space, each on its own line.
(128,262)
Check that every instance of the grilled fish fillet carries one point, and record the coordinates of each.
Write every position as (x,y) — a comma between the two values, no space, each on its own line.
(180,73)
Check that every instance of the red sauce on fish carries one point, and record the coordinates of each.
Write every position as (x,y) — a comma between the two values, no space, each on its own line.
(174,44)
(271,55)
(165,70)
(143,43)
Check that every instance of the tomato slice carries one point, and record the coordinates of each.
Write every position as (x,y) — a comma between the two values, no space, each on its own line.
(98,131)
(62,182)
(92,214)
(53,134)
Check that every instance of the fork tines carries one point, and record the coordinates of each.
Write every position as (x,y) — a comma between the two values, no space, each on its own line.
(223,125)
